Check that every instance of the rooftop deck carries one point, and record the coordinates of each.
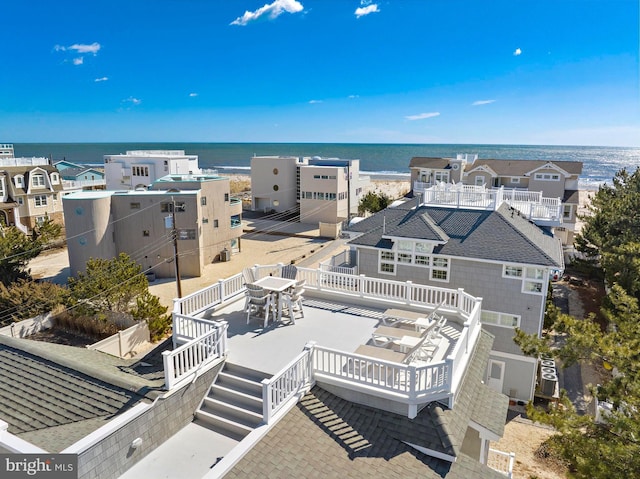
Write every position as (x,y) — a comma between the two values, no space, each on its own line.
(341,313)
(543,211)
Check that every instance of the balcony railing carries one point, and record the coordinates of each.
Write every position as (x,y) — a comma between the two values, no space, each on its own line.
(531,204)
(412,384)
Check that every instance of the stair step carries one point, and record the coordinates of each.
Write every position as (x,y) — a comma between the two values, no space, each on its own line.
(238,383)
(244,372)
(232,412)
(224,426)
(236,397)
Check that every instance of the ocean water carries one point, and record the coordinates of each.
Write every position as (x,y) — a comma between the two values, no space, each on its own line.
(378,160)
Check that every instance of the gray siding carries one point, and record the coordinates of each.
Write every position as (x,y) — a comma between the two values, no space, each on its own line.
(112,456)
(518,377)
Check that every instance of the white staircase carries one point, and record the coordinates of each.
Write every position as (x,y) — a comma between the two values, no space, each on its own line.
(233,406)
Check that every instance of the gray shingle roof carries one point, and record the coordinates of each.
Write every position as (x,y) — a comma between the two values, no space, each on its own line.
(502,235)
(501,167)
(327,436)
(52,395)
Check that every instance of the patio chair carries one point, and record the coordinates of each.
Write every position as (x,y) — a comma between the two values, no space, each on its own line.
(248,276)
(293,300)
(289,271)
(259,304)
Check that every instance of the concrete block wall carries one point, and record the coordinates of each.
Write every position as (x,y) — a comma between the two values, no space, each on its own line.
(113,455)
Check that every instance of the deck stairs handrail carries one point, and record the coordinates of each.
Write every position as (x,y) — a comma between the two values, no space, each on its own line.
(501,461)
(294,379)
(187,361)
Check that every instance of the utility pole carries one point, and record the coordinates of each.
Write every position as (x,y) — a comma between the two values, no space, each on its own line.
(174,232)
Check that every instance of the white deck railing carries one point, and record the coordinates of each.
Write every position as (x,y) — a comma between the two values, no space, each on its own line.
(501,462)
(409,383)
(184,363)
(531,204)
(293,379)
(208,297)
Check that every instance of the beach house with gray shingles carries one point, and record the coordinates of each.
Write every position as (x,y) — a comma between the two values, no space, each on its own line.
(328,436)
(494,254)
(554,179)
(30,193)
(427,416)
(62,399)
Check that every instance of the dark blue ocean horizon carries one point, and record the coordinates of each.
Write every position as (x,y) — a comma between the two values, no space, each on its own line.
(376,159)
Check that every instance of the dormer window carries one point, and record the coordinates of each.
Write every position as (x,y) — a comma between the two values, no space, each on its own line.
(55,178)
(19,180)
(37,180)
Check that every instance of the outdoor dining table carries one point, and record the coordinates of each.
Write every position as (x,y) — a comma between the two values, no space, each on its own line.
(276,285)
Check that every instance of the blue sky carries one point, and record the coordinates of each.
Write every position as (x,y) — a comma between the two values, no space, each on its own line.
(396,71)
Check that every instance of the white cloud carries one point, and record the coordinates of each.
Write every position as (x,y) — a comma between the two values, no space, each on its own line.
(82,48)
(482,102)
(272,10)
(132,100)
(59,48)
(353,96)
(78,61)
(101,79)
(517,52)
(362,11)
(313,102)
(193,94)
(422,116)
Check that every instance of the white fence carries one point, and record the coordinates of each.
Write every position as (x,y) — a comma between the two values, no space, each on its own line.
(186,362)
(209,297)
(124,343)
(501,462)
(27,327)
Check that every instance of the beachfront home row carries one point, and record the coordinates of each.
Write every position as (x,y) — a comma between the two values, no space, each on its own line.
(491,250)
(552,179)
(208,224)
(232,398)
(322,190)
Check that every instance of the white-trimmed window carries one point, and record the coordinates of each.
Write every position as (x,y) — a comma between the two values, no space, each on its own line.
(441,176)
(387,262)
(515,179)
(404,245)
(20,200)
(479,181)
(567,212)
(422,260)
(510,271)
(19,179)
(55,178)
(422,247)
(404,258)
(440,269)
(547,176)
(40,220)
(140,170)
(533,281)
(504,320)
(40,200)
(37,180)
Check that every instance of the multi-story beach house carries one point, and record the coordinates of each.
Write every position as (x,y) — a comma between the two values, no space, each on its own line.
(478,243)
(555,180)
(322,190)
(307,397)
(102,224)
(80,177)
(30,192)
(142,167)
